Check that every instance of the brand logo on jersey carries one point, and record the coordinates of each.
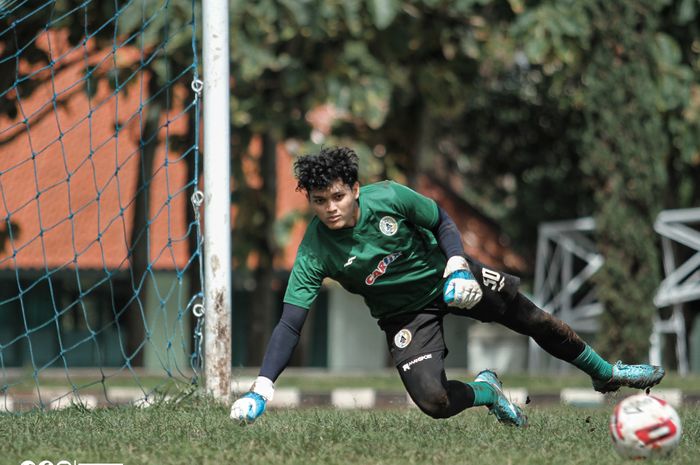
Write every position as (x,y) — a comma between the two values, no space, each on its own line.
(388,226)
(381,268)
(349,262)
(403,338)
(407,366)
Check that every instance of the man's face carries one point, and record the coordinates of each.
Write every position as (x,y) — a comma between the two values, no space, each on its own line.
(336,206)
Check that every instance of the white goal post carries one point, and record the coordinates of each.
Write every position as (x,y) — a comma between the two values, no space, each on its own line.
(217,221)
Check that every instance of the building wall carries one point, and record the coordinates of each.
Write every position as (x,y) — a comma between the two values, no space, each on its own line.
(169,328)
(51,326)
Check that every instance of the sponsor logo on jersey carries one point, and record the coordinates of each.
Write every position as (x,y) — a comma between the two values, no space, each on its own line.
(388,226)
(403,338)
(381,268)
(407,366)
(349,262)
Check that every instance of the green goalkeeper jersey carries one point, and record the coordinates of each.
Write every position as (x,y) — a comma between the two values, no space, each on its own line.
(390,257)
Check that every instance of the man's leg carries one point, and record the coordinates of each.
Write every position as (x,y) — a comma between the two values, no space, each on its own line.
(502,303)
(425,380)
(417,347)
(559,340)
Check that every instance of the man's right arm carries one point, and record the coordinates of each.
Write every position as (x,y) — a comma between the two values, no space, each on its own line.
(284,339)
(279,351)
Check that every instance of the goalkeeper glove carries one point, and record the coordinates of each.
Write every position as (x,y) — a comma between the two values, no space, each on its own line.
(252,404)
(461,289)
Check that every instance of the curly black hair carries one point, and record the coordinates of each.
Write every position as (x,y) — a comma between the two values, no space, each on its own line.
(318,172)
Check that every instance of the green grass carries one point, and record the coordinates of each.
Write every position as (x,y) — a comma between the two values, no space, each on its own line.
(390,381)
(311,380)
(198,431)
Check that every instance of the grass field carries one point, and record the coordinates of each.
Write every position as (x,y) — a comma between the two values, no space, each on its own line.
(390,381)
(198,431)
(307,380)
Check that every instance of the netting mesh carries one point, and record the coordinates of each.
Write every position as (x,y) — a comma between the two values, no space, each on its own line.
(100,244)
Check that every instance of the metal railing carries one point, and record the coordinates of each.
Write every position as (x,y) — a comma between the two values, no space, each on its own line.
(567,258)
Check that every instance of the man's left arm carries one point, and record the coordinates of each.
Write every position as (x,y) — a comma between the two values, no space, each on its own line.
(461,289)
(448,236)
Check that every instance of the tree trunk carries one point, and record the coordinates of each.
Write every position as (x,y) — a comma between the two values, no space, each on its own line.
(135,316)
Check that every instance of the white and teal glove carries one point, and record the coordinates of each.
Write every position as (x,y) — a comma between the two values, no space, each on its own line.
(252,404)
(461,289)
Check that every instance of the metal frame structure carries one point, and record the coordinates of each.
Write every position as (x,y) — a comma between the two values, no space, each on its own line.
(566,260)
(217,209)
(682,281)
(562,285)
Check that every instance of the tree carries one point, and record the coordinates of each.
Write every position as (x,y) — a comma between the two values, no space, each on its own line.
(626,148)
(615,67)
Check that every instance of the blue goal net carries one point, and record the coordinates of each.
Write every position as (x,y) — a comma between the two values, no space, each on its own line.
(100,245)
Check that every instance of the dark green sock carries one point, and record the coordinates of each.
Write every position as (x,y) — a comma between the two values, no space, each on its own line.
(593,364)
(484,394)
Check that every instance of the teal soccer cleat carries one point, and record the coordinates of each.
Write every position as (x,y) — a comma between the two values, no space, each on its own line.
(505,411)
(634,376)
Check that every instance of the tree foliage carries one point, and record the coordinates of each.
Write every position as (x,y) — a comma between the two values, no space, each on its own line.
(630,85)
(626,144)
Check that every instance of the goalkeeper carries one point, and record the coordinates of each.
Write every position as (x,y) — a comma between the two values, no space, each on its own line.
(404,255)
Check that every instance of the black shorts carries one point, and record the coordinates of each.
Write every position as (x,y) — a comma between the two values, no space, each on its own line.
(411,335)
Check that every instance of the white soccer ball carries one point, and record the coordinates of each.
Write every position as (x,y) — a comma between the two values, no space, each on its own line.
(644,426)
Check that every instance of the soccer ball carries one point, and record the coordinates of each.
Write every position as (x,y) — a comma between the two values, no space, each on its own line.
(644,426)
